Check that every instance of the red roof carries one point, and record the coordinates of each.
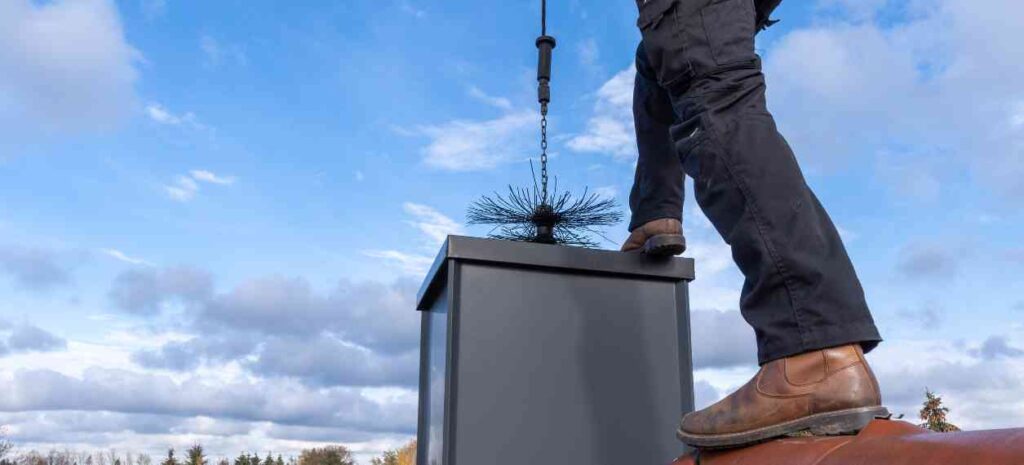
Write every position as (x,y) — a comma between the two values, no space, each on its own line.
(883,442)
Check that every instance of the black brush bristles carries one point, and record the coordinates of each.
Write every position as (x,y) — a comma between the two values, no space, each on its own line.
(525,215)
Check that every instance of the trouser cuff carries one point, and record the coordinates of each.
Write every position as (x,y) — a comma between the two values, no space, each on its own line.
(865,333)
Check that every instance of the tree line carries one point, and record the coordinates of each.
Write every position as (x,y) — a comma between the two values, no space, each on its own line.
(196,455)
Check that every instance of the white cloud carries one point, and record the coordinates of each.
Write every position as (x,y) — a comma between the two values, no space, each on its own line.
(859,86)
(704,394)
(497,102)
(464,145)
(434,227)
(410,264)
(157,113)
(305,368)
(161,115)
(121,256)
(375,316)
(432,223)
(610,127)
(183,189)
(65,64)
(186,187)
(719,285)
(284,402)
(326,360)
(721,340)
(475,145)
(210,177)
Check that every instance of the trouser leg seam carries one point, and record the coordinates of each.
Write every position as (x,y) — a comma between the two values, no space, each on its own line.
(754,211)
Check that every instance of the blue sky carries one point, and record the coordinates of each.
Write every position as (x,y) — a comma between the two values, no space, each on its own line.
(213,215)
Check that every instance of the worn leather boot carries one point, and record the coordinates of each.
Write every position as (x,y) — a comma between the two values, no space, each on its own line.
(661,237)
(825,392)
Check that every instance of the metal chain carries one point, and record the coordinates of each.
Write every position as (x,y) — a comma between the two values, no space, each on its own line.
(544,115)
(544,157)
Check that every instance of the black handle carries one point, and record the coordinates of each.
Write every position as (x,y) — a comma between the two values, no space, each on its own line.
(545,44)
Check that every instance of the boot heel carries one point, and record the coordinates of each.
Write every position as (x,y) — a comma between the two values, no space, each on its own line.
(663,245)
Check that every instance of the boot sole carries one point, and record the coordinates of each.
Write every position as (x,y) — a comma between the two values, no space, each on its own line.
(664,245)
(836,423)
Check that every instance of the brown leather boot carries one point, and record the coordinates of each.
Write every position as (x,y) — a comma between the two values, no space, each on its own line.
(661,237)
(826,392)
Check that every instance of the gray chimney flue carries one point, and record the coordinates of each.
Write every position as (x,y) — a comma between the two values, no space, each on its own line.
(542,354)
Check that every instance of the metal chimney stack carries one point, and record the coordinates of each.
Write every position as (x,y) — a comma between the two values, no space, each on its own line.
(536,354)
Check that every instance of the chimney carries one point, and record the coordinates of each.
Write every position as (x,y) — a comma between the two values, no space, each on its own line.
(542,354)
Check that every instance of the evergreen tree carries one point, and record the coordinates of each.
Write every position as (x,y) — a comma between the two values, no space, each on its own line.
(196,455)
(934,414)
(170,460)
(248,458)
(280,460)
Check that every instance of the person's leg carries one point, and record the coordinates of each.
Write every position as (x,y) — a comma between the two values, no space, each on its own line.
(800,293)
(656,200)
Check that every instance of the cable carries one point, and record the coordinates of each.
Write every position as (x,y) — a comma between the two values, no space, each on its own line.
(543,17)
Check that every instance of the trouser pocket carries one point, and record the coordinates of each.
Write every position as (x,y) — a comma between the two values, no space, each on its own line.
(730,26)
(661,27)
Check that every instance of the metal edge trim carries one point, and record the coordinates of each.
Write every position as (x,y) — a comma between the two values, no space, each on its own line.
(422,400)
(436,273)
(452,365)
(568,258)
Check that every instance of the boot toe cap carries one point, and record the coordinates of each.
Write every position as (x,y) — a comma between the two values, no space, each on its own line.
(693,423)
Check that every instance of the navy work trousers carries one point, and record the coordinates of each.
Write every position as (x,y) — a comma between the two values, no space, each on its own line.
(699,106)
